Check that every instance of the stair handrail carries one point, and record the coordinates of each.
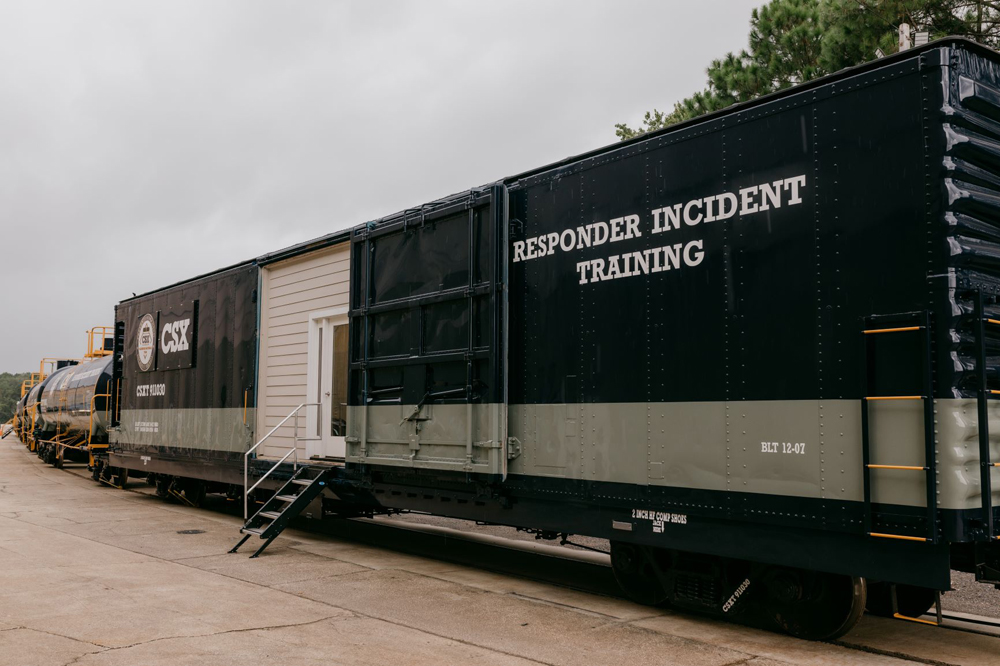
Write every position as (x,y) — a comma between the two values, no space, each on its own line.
(294,450)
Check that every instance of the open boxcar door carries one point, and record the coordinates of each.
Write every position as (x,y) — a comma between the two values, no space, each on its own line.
(428,314)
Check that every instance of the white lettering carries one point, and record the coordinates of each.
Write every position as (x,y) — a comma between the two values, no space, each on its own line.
(551,240)
(688,220)
(672,217)
(709,213)
(770,195)
(632,224)
(746,205)
(616,229)
(598,228)
(566,240)
(519,251)
(723,213)
(672,256)
(795,183)
(698,256)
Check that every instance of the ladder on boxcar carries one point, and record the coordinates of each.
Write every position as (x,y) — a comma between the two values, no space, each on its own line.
(911,323)
(984,393)
(918,324)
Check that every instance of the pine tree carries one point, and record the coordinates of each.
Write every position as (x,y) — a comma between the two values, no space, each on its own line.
(792,41)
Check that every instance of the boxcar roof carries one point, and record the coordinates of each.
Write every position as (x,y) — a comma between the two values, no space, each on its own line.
(345,234)
(840,75)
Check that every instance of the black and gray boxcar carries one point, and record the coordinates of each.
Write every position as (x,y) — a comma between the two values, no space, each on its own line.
(756,351)
(185,358)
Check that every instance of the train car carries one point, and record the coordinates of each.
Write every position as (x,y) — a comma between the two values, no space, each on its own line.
(755,351)
(36,405)
(18,420)
(74,412)
(184,375)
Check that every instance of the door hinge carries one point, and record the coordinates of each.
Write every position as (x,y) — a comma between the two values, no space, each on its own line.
(513,448)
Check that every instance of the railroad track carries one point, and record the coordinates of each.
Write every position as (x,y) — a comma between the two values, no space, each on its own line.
(975,624)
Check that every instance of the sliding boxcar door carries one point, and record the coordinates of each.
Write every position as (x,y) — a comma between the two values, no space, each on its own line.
(427,338)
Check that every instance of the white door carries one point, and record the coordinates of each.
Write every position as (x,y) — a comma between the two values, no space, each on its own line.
(327,379)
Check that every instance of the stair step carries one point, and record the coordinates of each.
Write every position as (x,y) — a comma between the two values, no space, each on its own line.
(271,515)
(286,498)
(302,482)
(252,530)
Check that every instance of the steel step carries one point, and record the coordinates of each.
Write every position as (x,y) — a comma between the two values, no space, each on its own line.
(286,498)
(302,482)
(252,530)
(271,515)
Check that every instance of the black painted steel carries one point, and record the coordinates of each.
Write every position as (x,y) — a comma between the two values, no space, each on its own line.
(426,312)
(875,193)
(203,359)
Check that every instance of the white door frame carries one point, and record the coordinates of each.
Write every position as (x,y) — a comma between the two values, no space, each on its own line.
(319,387)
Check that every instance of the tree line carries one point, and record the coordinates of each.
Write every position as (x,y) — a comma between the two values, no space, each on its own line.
(10,392)
(793,41)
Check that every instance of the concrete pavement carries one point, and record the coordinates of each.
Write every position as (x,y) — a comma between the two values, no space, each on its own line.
(93,575)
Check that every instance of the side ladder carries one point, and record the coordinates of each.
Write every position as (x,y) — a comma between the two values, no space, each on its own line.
(918,324)
(986,464)
(986,570)
(913,324)
(275,514)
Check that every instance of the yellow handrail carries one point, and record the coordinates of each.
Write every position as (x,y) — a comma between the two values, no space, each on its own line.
(90,429)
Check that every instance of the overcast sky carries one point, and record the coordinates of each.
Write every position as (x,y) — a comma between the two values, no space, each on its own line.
(142,143)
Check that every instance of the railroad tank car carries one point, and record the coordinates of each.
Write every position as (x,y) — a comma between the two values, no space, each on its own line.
(755,351)
(18,419)
(35,425)
(74,411)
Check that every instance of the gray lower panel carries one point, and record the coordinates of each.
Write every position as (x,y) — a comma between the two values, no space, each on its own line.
(800,448)
(462,437)
(223,429)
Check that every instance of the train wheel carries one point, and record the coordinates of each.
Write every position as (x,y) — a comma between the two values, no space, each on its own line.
(813,605)
(194,492)
(911,601)
(120,478)
(163,484)
(95,471)
(636,573)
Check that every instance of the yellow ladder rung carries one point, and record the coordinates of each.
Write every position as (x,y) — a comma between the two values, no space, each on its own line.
(897,536)
(900,616)
(993,321)
(994,392)
(872,331)
(911,467)
(895,397)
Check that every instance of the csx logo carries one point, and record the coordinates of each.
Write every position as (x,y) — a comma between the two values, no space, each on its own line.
(173,337)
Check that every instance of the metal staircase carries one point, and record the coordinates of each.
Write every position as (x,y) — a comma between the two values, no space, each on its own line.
(306,483)
(304,486)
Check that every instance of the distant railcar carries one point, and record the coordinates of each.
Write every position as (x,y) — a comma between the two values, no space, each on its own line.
(756,351)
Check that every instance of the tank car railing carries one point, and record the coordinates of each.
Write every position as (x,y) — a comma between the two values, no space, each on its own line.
(294,451)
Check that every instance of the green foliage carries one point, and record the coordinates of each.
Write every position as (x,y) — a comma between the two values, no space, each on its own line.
(793,41)
(10,393)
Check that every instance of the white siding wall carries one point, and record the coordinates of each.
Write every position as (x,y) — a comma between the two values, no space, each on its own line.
(291,290)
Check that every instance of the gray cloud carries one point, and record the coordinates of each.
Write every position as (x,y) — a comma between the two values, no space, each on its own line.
(145,142)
